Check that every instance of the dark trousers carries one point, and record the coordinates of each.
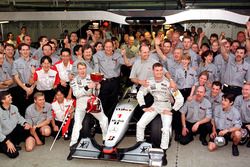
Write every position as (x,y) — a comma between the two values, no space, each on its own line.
(48,94)
(18,135)
(20,99)
(109,95)
(203,130)
(185,93)
(235,90)
(176,124)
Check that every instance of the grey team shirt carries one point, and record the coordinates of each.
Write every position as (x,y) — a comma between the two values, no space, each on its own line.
(108,65)
(196,111)
(9,120)
(34,117)
(23,68)
(243,107)
(226,119)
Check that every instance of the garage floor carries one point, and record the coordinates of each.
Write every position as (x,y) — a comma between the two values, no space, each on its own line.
(191,155)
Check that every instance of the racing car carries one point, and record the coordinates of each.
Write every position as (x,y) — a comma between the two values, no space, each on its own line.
(142,152)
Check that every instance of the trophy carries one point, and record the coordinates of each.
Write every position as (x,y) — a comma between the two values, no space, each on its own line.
(94,103)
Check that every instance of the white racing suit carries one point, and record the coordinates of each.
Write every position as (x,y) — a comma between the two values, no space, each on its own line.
(82,94)
(162,101)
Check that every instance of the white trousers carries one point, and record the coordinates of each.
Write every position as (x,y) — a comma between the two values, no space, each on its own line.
(147,117)
(80,111)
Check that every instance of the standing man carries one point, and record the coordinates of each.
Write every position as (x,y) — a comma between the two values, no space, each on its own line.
(195,118)
(159,88)
(23,71)
(13,128)
(109,63)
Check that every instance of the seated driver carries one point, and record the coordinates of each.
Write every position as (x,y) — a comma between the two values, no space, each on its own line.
(83,88)
(159,88)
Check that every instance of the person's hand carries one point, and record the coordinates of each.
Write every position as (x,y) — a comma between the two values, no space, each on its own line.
(202,35)
(123,52)
(195,127)
(167,112)
(63,83)
(29,91)
(223,132)
(213,134)
(149,109)
(55,128)
(91,85)
(144,83)
(184,131)
(10,146)
(27,126)
(189,98)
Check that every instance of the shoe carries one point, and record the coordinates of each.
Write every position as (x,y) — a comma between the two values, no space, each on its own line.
(248,143)
(72,151)
(66,137)
(235,150)
(18,148)
(164,159)
(203,141)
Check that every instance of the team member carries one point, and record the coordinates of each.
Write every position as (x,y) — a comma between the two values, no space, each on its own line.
(5,79)
(13,128)
(242,103)
(46,79)
(60,108)
(39,116)
(64,67)
(159,88)
(185,77)
(83,88)
(23,70)
(187,49)
(237,71)
(215,95)
(109,63)
(227,123)
(195,118)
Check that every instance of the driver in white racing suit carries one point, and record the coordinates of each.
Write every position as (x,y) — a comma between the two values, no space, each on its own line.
(83,88)
(159,88)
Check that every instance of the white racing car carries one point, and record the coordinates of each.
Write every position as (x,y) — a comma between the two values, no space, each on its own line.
(142,153)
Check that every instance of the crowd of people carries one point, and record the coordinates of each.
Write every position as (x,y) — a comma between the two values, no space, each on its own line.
(197,85)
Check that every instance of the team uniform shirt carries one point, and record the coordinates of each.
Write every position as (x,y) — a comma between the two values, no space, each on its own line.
(108,65)
(46,80)
(79,86)
(169,60)
(142,69)
(247,59)
(172,66)
(236,74)
(162,94)
(221,64)
(226,119)
(8,121)
(4,76)
(90,66)
(38,54)
(55,58)
(23,68)
(212,71)
(215,101)
(35,117)
(63,71)
(185,79)
(196,111)
(243,107)
(194,56)
(59,109)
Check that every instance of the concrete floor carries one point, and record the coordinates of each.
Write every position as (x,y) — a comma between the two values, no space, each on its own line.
(191,155)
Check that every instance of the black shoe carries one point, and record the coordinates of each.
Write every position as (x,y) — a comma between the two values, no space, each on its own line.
(203,141)
(248,143)
(164,159)
(66,137)
(18,148)
(72,151)
(235,150)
